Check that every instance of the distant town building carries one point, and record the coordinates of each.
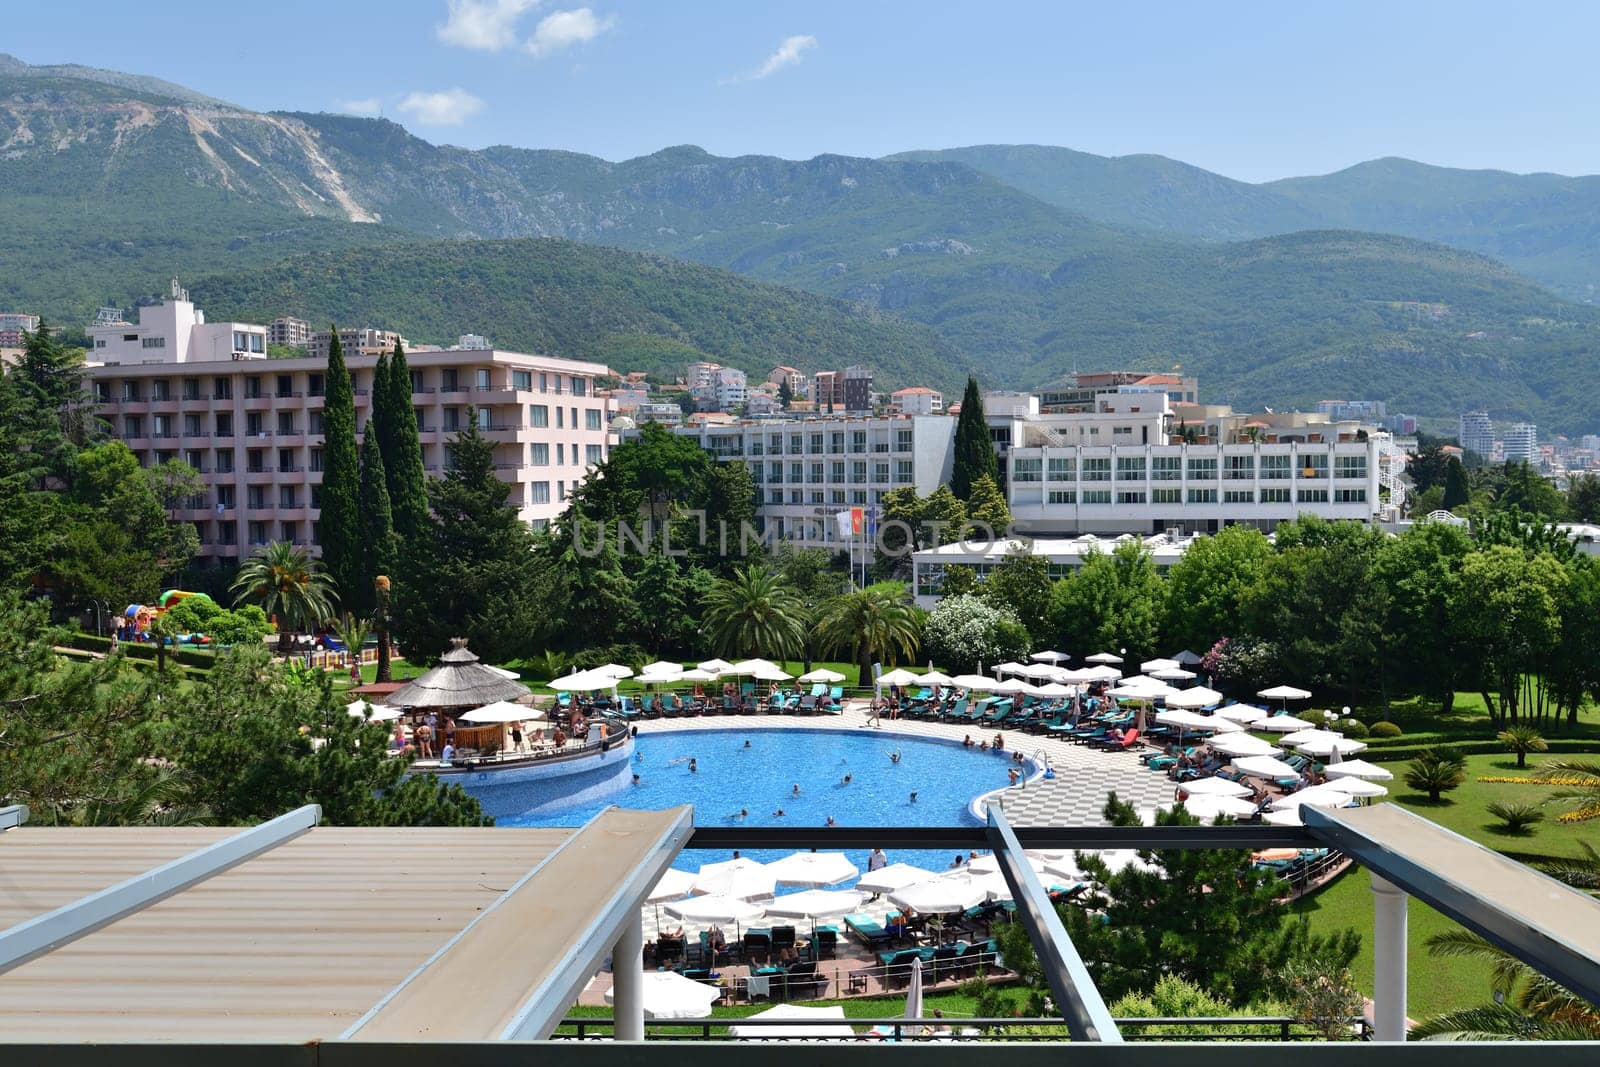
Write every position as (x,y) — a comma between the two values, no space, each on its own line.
(1522,444)
(13,325)
(1476,433)
(827,390)
(1405,425)
(798,385)
(365,341)
(473,342)
(1372,411)
(700,374)
(1078,393)
(288,330)
(858,389)
(761,404)
(658,411)
(917,400)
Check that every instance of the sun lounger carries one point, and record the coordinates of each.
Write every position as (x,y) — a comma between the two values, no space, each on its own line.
(867,930)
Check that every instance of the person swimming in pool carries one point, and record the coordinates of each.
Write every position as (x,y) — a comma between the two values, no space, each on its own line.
(778,814)
(747,742)
(795,791)
(847,779)
(742,813)
(913,796)
(830,822)
(636,779)
(694,768)
(894,757)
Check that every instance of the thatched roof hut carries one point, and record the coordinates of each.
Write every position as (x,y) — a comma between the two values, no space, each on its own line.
(459,681)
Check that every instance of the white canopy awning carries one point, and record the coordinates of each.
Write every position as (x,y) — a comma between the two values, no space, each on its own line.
(1049,656)
(973,681)
(1198,697)
(815,1031)
(888,879)
(714,666)
(821,674)
(1360,768)
(935,678)
(1282,724)
(939,896)
(1243,744)
(1103,657)
(1284,692)
(899,676)
(673,884)
(669,995)
(1264,767)
(743,878)
(815,869)
(1158,665)
(814,904)
(715,908)
(361,709)
(1216,787)
(1248,714)
(1209,807)
(503,711)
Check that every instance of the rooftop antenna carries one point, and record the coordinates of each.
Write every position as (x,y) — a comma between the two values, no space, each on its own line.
(178,291)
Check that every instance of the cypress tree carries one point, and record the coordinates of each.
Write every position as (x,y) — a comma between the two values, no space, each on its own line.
(341,481)
(377,524)
(380,415)
(1457,490)
(402,451)
(974,451)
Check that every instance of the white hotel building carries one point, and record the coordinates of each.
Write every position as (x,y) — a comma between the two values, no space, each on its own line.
(173,386)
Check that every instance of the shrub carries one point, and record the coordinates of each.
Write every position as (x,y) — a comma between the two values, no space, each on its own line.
(963,631)
(1325,998)
(1353,728)
(1516,818)
(1384,729)
(1522,740)
(1176,998)
(1436,771)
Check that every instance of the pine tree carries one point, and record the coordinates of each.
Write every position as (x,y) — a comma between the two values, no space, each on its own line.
(974,451)
(377,525)
(988,505)
(1457,490)
(402,451)
(341,481)
(785,394)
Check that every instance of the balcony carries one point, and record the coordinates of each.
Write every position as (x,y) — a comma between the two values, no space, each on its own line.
(260,402)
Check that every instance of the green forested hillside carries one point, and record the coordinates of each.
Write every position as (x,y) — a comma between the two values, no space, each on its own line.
(635,311)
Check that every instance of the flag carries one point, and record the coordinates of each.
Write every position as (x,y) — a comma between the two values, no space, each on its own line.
(855,520)
(843,520)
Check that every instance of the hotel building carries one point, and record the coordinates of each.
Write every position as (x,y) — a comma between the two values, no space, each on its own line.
(175,387)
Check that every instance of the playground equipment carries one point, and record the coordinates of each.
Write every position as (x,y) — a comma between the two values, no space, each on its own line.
(137,619)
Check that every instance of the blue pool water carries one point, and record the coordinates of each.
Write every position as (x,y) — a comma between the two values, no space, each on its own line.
(760,779)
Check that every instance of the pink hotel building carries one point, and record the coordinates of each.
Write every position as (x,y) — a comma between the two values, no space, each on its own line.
(173,386)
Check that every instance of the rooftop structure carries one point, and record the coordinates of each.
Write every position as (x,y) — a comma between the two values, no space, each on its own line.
(363,341)
(288,330)
(173,331)
(1078,393)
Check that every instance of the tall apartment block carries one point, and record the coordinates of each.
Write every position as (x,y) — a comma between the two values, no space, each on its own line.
(1522,444)
(288,330)
(13,325)
(173,386)
(357,342)
(1476,433)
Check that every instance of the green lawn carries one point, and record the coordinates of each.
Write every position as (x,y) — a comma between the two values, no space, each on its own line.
(1440,985)
(1421,721)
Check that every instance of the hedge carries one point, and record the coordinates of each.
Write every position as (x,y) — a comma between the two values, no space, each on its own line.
(1489,747)
(189,657)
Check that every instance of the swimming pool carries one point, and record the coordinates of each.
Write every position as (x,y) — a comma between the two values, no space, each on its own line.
(755,770)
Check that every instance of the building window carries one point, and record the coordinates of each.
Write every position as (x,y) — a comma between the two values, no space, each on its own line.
(448,381)
(133,426)
(1062,496)
(1311,496)
(816,443)
(1166,468)
(1130,468)
(1314,465)
(522,381)
(1239,496)
(221,389)
(258,533)
(130,391)
(1097,496)
(1063,469)
(288,496)
(797,473)
(858,471)
(225,461)
(256,496)
(902,472)
(316,497)
(286,422)
(560,424)
(816,472)
(191,388)
(480,379)
(253,426)
(227,533)
(1203,468)
(541,492)
(1121,431)
(1202,496)
(561,454)
(836,471)
(160,389)
(591,420)
(1096,469)
(1274,468)
(774,496)
(580,387)
(163,424)
(315,385)
(1130,496)
(539,454)
(1026,469)
(880,473)
(836,496)
(1275,494)
(902,441)
(858,440)
(1350,496)
(1239,468)
(152,342)
(591,454)
(1350,467)
(483,419)
(1165,496)
(836,441)
(225,496)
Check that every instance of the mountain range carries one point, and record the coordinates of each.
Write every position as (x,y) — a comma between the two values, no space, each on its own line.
(1388,280)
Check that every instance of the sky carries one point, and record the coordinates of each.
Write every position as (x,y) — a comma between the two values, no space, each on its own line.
(1252,90)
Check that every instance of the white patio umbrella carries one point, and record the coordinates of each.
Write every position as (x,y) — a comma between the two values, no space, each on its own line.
(743,878)
(1248,714)
(1282,724)
(673,885)
(714,666)
(1326,747)
(825,1023)
(813,869)
(914,995)
(1040,670)
(771,674)
(990,864)
(1209,807)
(899,676)
(1287,817)
(1010,668)
(1173,674)
(1103,657)
(750,666)
(1264,767)
(993,884)
(1320,796)
(502,711)
(1049,656)
(361,709)
(1284,692)
(1151,665)
(715,908)
(888,879)
(1198,697)
(584,682)
(939,896)
(1242,744)
(814,904)
(697,675)
(1063,867)
(614,670)
(662,666)
(669,995)
(1359,787)
(1215,787)
(1184,719)
(1054,689)
(502,672)
(821,674)
(1099,673)
(935,678)
(1309,734)
(1010,685)
(1359,768)
(973,681)
(1134,690)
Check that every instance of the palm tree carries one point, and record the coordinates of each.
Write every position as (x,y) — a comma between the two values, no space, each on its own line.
(1534,1008)
(288,583)
(1522,740)
(1585,796)
(875,623)
(1435,771)
(754,613)
(1580,872)
(353,631)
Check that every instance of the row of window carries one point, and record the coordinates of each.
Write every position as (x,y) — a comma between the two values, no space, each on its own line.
(831,496)
(451,380)
(286,423)
(539,454)
(539,417)
(1172,468)
(819,442)
(1267,495)
(818,472)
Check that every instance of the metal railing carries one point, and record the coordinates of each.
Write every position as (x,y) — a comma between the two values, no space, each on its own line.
(898,1028)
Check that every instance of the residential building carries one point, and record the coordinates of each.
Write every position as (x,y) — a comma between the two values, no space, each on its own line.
(732,388)
(1400,425)
(808,470)
(365,341)
(1476,433)
(13,325)
(253,428)
(827,390)
(473,342)
(701,374)
(1521,444)
(858,389)
(1372,411)
(759,405)
(798,385)
(1064,555)
(288,330)
(658,411)
(1078,392)
(917,400)
(173,331)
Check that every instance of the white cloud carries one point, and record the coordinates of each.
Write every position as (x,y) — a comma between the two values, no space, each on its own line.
(787,55)
(483,25)
(560,30)
(450,107)
(366,108)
